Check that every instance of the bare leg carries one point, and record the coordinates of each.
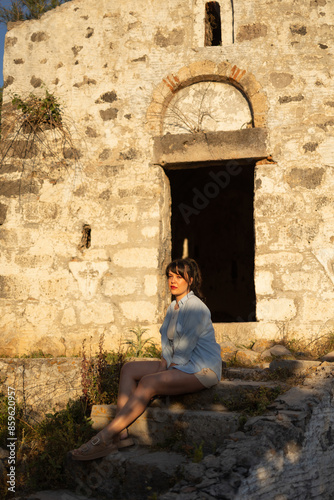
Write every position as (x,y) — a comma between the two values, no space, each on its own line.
(131,373)
(168,382)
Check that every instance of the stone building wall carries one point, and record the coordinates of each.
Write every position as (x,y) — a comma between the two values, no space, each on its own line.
(125,73)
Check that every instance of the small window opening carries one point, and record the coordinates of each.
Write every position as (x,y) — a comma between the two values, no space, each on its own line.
(85,238)
(213,32)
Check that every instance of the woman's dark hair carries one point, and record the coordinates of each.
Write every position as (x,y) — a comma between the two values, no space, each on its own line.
(187,268)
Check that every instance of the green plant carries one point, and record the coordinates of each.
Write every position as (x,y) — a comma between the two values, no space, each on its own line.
(152,351)
(198,453)
(153,496)
(41,447)
(34,130)
(314,348)
(38,111)
(56,435)
(37,354)
(20,10)
(241,422)
(138,343)
(100,375)
(252,402)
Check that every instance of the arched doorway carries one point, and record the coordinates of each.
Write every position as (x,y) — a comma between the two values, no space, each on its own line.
(208,144)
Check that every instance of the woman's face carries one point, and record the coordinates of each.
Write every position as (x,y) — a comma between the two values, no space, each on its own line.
(178,286)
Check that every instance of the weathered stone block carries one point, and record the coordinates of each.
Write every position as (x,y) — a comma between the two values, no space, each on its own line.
(249,84)
(19,187)
(260,120)
(69,317)
(192,148)
(329,357)
(150,285)
(277,351)
(281,309)
(326,151)
(34,261)
(112,236)
(8,238)
(280,79)
(139,310)
(281,259)
(224,68)
(109,114)
(184,74)
(42,384)
(136,257)
(115,285)
(315,309)
(99,313)
(246,356)
(228,351)
(54,288)
(40,211)
(41,314)
(309,178)
(251,31)
(259,103)
(3,213)
(150,231)
(9,168)
(277,205)
(167,38)
(302,281)
(14,287)
(263,282)
(262,344)
(125,213)
(154,212)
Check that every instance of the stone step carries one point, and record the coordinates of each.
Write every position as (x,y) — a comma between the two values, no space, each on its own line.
(199,419)
(215,399)
(133,473)
(240,373)
(164,426)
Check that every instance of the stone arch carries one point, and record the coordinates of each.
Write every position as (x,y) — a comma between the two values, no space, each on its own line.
(202,71)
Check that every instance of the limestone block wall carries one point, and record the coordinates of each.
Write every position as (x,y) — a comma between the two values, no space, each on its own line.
(116,67)
(42,385)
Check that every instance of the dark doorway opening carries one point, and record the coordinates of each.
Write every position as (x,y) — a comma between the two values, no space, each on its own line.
(212,222)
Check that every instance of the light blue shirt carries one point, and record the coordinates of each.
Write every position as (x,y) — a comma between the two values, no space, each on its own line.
(194,346)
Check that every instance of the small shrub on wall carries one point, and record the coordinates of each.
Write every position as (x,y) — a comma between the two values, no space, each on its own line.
(36,134)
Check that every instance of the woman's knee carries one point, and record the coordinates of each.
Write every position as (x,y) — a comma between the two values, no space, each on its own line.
(147,385)
(128,369)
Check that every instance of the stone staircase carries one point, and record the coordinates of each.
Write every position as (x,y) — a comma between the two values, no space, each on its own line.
(171,436)
(200,419)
